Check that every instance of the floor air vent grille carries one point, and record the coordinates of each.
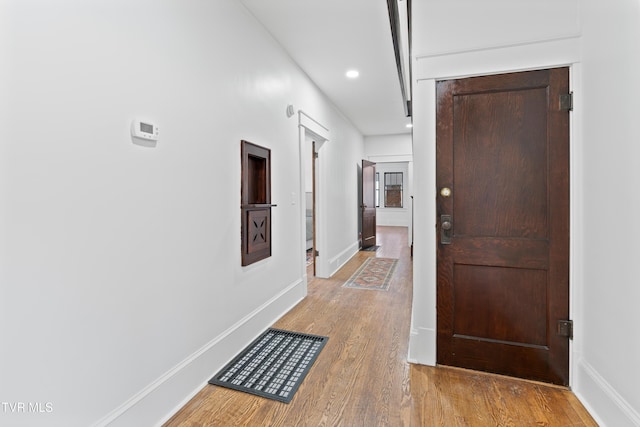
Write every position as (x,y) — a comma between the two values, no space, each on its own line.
(273,366)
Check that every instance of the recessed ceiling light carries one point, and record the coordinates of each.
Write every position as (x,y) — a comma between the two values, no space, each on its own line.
(352,74)
(409,125)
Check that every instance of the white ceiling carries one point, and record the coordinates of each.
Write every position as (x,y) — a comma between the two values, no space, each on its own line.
(328,37)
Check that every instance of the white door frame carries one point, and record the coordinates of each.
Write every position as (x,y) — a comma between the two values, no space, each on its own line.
(309,128)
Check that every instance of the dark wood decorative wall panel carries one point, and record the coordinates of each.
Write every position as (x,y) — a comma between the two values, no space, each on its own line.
(256,202)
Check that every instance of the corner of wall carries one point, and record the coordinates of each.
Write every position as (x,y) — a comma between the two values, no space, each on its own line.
(422,346)
(341,259)
(602,401)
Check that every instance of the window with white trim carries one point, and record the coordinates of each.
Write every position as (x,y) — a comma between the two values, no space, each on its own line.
(393,189)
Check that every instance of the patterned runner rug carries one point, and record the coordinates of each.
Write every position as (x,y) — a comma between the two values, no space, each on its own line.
(374,273)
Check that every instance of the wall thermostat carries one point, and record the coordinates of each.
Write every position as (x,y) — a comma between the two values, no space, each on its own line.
(144,129)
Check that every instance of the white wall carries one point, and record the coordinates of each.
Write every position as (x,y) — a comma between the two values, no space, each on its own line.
(444,27)
(121,290)
(337,187)
(607,373)
(388,148)
(598,41)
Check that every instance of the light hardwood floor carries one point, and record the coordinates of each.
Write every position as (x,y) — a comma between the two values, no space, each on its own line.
(362,377)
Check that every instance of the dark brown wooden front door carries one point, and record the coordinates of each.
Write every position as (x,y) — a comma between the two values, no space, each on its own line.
(503,281)
(368,207)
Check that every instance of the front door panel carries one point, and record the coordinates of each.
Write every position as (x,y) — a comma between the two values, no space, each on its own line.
(503,281)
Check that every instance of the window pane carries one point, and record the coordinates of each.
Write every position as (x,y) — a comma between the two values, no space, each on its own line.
(393,189)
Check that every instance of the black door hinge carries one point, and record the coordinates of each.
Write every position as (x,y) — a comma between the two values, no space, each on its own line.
(317,253)
(565,328)
(566,102)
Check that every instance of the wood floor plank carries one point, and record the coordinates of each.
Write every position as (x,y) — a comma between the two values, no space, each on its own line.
(362,377)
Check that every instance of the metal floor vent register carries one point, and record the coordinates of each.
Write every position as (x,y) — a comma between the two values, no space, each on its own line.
(272,366)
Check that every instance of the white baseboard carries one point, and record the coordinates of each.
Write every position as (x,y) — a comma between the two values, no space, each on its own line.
(602,401)
(149,406)
(422,346)
(341,259)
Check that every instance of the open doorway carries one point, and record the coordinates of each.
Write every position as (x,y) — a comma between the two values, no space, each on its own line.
(313,137)
(310,156)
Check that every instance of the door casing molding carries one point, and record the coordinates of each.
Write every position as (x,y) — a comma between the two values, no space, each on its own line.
(308,127)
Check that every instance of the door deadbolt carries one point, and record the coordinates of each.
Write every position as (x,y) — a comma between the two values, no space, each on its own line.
(446,227)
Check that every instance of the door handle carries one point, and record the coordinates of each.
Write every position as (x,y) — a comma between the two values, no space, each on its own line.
(446,227)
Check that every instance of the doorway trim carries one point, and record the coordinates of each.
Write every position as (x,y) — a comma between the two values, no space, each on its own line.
(408,159)
(309,128)
(542,54)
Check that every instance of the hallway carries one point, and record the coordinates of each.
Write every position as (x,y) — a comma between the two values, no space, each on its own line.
(362,377)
